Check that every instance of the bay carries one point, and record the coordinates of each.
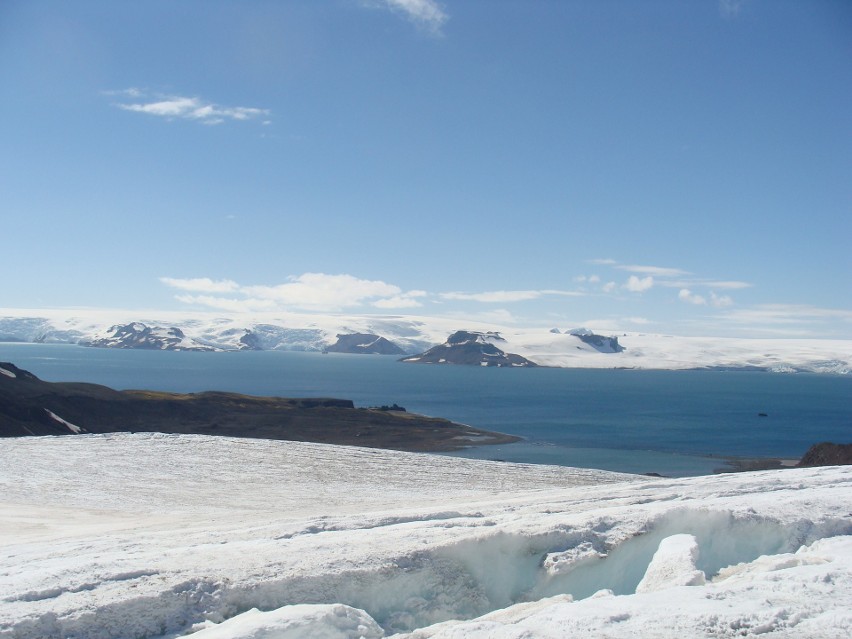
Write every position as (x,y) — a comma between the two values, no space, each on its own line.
(674,423)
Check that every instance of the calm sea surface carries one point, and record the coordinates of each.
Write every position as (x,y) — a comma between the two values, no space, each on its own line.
(670,422)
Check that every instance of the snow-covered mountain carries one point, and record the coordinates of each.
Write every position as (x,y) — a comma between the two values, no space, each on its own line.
(577,348)
(138,335)
(473,349)
(154,536)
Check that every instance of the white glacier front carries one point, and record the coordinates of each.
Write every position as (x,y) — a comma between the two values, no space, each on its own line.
(160,535)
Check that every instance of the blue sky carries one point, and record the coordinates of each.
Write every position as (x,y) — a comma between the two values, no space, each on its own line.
(665,166)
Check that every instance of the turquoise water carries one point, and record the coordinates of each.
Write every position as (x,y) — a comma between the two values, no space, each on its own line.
(669,422)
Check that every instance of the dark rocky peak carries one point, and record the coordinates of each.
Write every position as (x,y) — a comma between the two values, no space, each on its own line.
(364,343)
(9,371)
(472,349)
(601,343)
(464,337)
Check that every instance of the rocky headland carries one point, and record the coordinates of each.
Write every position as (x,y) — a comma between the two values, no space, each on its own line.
(30,406)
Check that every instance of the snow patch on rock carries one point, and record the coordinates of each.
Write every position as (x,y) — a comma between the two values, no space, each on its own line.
(73,428)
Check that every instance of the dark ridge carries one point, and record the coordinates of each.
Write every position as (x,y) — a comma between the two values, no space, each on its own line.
(472,349)
(827,454)
(364,343)
(26,404)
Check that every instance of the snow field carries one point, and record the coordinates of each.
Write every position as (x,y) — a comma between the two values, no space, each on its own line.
(158,535)
(415,334)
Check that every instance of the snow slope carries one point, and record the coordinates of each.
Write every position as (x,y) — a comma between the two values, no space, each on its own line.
(414,334)
(157,535)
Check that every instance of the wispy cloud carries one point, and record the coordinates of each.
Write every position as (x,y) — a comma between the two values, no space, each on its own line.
(501,297)
(230,304)
(407,300)
(702,283)
(730,8)
(670,277)
(184,108)
(201,284)
(787,314)
(656,271)
(685,295)
(718,301)
(309,291)
(426,14)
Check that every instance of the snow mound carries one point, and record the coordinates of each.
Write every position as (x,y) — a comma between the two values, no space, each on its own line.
(673,565)
(297,622)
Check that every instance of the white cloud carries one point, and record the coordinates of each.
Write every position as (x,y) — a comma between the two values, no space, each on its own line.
(732,285)
(187,108)
(201,284)
(426,14)
(685,295)
(637,285)
(309,291)
(720,301)
(322,291)
(609,287)
(694,283)
(406,300)
(656,271)
(500,297)
(730,8)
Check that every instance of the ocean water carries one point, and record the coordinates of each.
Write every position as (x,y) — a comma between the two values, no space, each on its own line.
(675,423)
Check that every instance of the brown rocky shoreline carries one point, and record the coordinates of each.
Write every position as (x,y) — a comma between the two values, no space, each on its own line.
(30,406)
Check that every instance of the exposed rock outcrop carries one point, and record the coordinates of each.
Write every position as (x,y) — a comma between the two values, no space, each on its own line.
(601,343)
(364,343)
(139,335)
(827,454)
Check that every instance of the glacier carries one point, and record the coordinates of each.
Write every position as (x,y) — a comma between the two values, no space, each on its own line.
(160,536)
(570,348)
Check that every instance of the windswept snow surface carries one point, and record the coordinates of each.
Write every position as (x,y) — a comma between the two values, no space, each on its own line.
(122,535)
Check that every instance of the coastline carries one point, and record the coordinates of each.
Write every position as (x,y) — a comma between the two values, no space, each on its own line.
(633,461)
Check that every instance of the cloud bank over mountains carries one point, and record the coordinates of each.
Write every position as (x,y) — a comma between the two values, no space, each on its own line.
(692,305)
(309,291)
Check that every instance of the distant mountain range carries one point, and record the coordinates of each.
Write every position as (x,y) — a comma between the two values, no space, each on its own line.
(438,340)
